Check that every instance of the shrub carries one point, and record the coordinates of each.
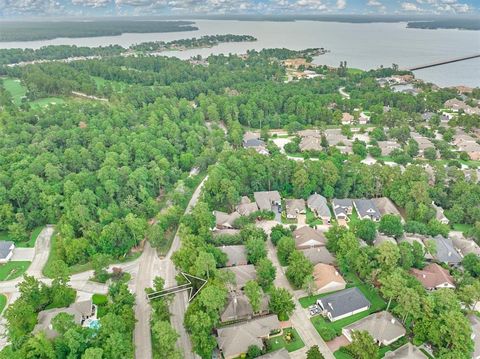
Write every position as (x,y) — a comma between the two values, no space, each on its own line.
(327,333)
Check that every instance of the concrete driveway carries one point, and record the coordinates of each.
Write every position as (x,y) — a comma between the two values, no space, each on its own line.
(23,254)
(301,220)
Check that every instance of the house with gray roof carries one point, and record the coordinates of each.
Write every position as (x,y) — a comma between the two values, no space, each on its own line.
(238,307)
(236,255)
(266,200)
(80,311)
(445,251)
(366,209)
(252,140)
(6,251)
(294,207)
(439,215)
(307,237)
(407,351)
(382,326)
(318,205)
(234,340)
(343,304)
(342,208)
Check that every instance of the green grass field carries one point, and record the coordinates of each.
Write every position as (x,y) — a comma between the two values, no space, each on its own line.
(16,89)
(12,270)
(312,220)
(462,227)
(101,301)
(279,342)
(43,102)
(3,302)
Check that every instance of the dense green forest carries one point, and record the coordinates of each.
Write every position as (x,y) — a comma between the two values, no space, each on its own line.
(35,30)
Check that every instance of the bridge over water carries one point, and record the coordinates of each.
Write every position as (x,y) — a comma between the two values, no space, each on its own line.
(441,62)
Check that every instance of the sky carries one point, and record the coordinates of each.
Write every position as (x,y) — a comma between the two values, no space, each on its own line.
(29,8)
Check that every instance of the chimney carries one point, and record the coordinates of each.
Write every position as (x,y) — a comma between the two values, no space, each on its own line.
(392,320)
(424,276)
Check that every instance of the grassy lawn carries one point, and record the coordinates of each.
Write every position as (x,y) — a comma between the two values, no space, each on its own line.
(3,302)
(30,243)
(279,342)
(16,89)
(354,71)
(12,270)
(462,227)
(312,220)
(101,301)
(43,102)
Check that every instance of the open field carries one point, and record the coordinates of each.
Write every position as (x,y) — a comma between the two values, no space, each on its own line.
(16,89)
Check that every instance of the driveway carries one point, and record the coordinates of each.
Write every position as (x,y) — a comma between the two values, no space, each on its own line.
(300,320)
(338,342)
(23,254)
(301,220)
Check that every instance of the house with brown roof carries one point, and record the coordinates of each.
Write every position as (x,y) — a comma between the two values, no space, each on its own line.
(466,246)
(294,207)
(386,147)
(347,119)
(307,237)
(327,278)
(382,326)
(439,215)
(238,307)
(310,133)
(224,220)
(310,144)
(318,255)
(433,277)
(242,274)
(386,206)
(278,354)
(266,200)
(234,340)
(236,255)
(246,207)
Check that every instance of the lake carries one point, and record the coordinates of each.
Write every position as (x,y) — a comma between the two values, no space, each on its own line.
(363,46)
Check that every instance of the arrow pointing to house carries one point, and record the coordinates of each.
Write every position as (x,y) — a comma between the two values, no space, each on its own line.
(194,285)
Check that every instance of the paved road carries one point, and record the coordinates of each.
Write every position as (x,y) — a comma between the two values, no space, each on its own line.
(299,319)
(343,93)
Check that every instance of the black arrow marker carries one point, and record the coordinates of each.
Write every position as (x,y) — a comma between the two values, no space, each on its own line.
(193,290)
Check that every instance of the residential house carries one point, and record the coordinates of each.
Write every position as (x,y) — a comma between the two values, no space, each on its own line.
(242,274)
(439,215)
(234,340)
(318,255)
(471,148)
(475,323)
(347,119)
(236,255)
(252,140)
(382,326)
(278,354)
(433,277)
(296,63)
(363,119)
(343,304)
(342,208)
(387,147)
(472,175)
(307,237)
(224,220)
(406,351)
(6,251)
(81,312)
(310,133)
(427,116)
(423,142)
(334,137)
(310,144)
(268,200)
(412,238)
(327,279)
(246,207)
(445,251)
(457,105)
(318,205)
(366,209)
(465,246)
(386,206)
(238,307)
(294,207)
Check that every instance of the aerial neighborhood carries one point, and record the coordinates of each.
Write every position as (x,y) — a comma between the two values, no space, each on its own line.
(241,206)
